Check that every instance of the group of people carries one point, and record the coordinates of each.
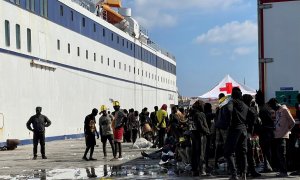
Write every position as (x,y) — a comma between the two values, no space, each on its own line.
(111,128)
(191,135)
(243,130)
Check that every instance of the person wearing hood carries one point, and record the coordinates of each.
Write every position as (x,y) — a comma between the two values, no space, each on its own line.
(199,133)
(89,132)
(283,125)
(266,133)
(209,118)
(252,121)
(162,117)
(222,120)
(237,134)
(39,122)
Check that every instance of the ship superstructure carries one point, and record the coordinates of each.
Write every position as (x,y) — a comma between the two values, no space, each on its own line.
(70,56)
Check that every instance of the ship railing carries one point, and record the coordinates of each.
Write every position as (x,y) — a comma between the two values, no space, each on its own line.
(159,49)
(103,14)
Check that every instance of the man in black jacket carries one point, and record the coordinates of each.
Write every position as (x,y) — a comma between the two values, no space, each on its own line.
(252,122)
(222,121)
(39,122)
(199,132)
(266,134)
(237,134)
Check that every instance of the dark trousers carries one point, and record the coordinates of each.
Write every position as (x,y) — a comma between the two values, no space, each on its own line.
(39,137)
(161,136)
(134,133)
(110,140)
(198,152)
(90,142)
(118,147)
(207,149)
(127,136)
(265,141)
(221,136)
(87,150)
(250,155)
(281,154)
(236,142)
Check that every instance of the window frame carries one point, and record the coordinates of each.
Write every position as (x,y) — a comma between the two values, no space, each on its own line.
(7,33)
(18,36)
(29,43)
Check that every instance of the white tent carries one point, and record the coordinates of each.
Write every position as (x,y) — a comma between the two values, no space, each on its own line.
(225,86)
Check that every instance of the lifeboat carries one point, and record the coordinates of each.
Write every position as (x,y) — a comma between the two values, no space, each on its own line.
(113,3)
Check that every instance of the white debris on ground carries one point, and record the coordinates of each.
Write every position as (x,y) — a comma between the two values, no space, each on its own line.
(142,143)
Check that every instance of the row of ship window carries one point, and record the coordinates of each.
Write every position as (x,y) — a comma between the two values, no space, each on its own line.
(29,49)
(18,36)
(30,5)
(147,74)
(143,54)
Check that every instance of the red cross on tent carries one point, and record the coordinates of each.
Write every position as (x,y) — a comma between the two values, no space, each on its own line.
(227,88)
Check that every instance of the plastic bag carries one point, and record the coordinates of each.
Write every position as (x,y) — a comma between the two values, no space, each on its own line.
(142,143)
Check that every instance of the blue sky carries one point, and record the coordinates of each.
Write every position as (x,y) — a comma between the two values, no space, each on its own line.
(210,38)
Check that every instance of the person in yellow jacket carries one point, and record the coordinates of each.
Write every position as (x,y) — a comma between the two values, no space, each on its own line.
(162,117)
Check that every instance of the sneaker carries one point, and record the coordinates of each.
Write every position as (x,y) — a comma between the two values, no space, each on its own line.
(282,174)
(34,157)
(92,159)
(44,157)
(120,158)
(202,173)
(84,158)
(188,167)
(144,154)
(114,159)
(295,173)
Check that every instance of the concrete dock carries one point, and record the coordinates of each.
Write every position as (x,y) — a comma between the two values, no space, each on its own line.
(64,162)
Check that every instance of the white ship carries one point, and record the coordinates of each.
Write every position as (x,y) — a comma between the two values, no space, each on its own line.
(69,56)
